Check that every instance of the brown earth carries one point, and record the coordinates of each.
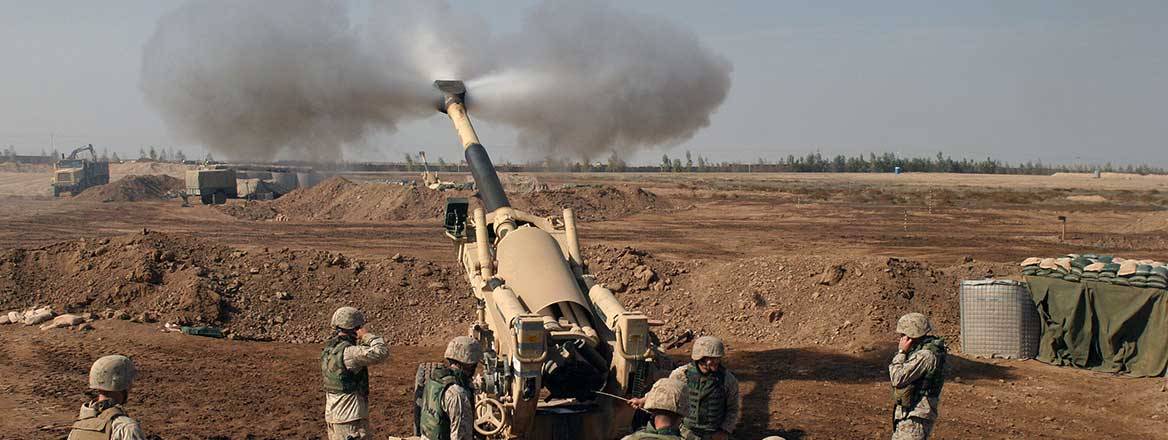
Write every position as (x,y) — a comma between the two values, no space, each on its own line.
(134,189)
(803,274)
(340,199)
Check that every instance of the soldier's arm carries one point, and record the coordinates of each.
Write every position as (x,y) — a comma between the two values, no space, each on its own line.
(124,428)
(371,351)
(906,369)
(678,374)
(733,404)
(456,402)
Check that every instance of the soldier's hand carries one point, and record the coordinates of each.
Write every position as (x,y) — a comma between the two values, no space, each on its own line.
(904,344)
(637,402)
(361,332)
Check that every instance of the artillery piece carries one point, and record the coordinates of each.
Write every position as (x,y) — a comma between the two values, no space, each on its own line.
(552,336)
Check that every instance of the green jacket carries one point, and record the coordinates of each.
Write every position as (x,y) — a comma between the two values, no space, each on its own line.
(930,383)
(337,378)
(651,433)
(434,421)
(707,399)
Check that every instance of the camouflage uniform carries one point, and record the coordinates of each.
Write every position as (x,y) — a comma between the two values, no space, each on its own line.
(714,402)
(921,367)
(105,419)
(668,397)
(454,419)
(346,414)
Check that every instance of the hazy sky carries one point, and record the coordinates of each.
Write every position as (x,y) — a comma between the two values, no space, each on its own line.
(1061,81)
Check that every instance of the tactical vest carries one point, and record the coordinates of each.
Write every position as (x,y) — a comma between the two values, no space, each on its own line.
(97,427)
(337,378)
(928,384)
(707,399)
(434,420)
(651,433)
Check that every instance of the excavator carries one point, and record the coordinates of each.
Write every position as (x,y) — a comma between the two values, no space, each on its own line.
(73,174)
(561,353)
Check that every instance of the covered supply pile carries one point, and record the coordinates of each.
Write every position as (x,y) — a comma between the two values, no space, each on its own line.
(1100,312)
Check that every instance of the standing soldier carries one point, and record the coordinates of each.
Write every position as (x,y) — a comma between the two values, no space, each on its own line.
(448,396)
(346,379)
(668,403)
(712,391)
(917,373)
(103,418)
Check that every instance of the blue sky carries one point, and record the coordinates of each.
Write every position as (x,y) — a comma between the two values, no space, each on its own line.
(1057,81)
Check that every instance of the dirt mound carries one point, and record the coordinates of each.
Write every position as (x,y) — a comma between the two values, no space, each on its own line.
(281,295)
(789,300)
(133,189)
(338,199)
(591,203)
(138,168)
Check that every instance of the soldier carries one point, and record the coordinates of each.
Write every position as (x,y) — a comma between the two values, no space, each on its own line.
(668,403)
(343,364)
(448,396)
(714,403)
(917,373)
(103,418)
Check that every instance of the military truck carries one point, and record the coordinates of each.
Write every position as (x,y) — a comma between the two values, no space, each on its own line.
(73,174)
(213,185)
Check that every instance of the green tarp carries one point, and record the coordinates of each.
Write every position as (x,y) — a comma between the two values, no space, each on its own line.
(1102,327)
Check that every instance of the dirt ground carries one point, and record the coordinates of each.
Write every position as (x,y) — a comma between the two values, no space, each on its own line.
(738,255)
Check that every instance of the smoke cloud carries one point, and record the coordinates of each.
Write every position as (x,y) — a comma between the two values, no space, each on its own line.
(294,78)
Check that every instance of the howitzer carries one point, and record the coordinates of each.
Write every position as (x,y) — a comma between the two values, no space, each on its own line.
(551,334)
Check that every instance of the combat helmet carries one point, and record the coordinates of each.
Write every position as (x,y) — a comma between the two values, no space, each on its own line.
(112,373)
(465,350)
(668,395)
(708,346)
(913,325)
(348,318)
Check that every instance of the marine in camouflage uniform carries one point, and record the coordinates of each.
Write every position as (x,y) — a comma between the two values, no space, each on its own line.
(917,374)
(104,418)
(447,406)
(714,403)
(343,365)
(668,402)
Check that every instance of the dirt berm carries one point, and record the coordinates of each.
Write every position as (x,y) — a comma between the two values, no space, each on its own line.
(338,199)
(133,189)
(288,295)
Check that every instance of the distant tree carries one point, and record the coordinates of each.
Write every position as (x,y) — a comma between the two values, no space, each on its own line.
(115,158)
(179,156)
(56,155)
(153,153)
(142,154)
(701,164)
(615,163)
(409,162)
(677,165)
(688,162)
(441,163)
(105,153)
(666,164)
(209,158)
(164,155)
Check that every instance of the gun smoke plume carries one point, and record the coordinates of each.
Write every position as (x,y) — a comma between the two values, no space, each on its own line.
(257,79)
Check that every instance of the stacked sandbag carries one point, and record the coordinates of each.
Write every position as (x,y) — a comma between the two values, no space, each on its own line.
(1101,268)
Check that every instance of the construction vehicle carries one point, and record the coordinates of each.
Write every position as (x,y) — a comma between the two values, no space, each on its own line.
(74,174)
(212,183)
(553,337)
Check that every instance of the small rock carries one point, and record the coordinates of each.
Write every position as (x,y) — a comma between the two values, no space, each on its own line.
(774,315)
(397,258)
(967,259)
(436,285)
(254,270)
(617,286)
(121,314)
(85,327)
(283,295)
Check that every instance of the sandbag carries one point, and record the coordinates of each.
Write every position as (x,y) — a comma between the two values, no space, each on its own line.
(65,320)
(38,316)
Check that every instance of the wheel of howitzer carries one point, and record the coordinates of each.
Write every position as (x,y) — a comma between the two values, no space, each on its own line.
(424,371)
(490,417)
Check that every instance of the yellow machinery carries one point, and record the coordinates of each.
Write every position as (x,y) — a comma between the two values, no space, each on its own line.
(552,335)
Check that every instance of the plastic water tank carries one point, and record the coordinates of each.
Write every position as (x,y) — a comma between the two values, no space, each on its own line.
(998,319)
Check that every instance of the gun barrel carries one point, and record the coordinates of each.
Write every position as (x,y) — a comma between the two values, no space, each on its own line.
(481,168)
